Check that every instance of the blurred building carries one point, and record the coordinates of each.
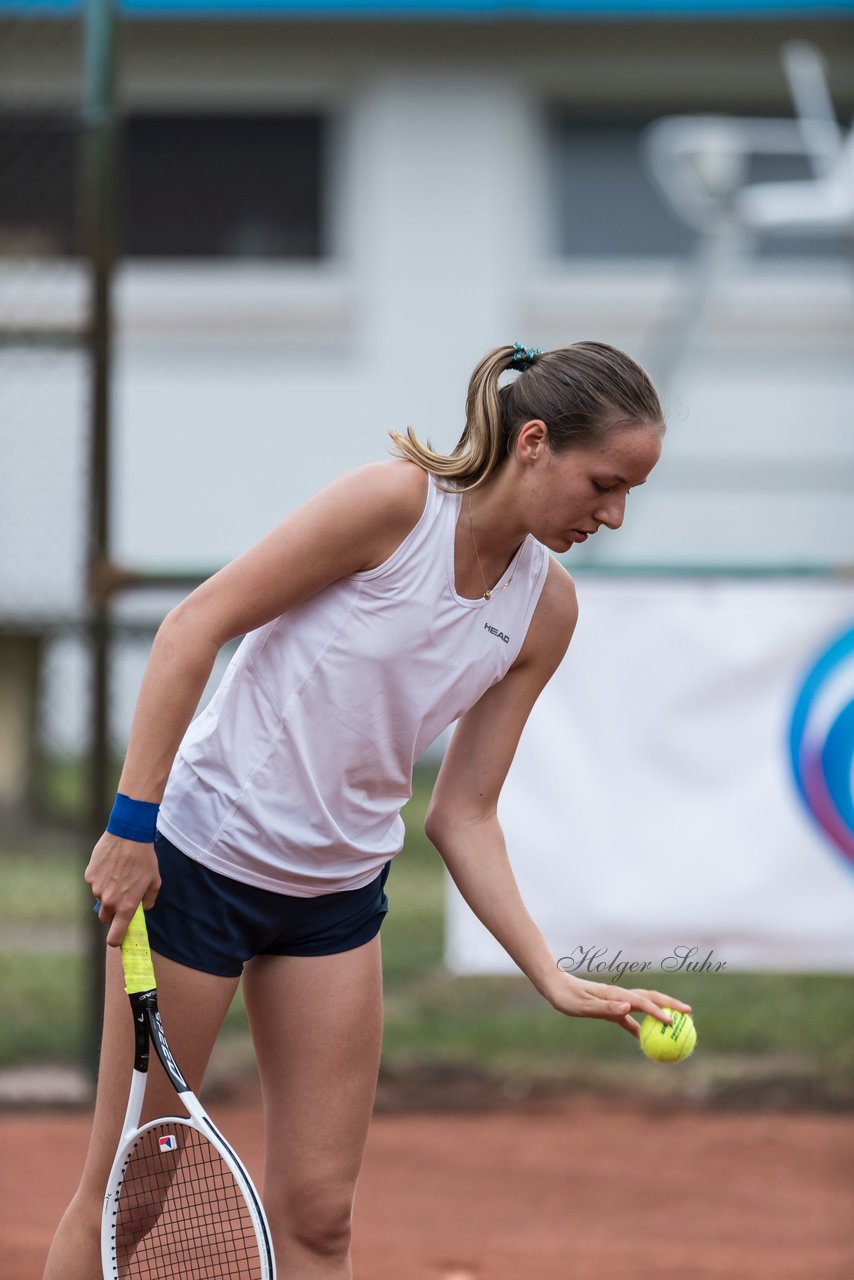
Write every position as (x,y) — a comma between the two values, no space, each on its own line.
(330,210)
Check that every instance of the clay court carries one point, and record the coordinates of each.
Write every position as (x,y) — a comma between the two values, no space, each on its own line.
(582,1189)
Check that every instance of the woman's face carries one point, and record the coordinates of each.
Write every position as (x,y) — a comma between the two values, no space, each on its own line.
(569,495)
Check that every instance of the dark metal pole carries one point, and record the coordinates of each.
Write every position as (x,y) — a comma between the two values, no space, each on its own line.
(99,178)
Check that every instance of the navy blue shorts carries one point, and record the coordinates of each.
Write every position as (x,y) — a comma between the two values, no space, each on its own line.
(210,922)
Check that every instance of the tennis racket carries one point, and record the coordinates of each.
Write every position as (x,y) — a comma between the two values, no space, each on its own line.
(179,1203)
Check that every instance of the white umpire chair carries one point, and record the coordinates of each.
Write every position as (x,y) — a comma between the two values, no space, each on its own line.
(700,166)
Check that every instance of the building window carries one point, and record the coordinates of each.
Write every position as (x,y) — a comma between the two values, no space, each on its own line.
(201,186)
(217,186)
(603,205)
(38,186)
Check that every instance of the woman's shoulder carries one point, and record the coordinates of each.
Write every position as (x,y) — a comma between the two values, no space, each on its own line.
(556,613)
(394,493)
(554,619)
(396,485)
(558,598)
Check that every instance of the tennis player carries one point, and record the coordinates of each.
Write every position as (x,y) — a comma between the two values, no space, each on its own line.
(405,596)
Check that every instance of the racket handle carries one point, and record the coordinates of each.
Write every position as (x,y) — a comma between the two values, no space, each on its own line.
(136,956)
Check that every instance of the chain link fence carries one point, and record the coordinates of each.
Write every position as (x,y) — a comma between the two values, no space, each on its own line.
(44,480)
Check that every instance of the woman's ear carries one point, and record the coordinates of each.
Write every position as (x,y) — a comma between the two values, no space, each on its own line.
(532,441)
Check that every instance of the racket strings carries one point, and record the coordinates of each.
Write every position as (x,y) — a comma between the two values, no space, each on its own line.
(181,1212)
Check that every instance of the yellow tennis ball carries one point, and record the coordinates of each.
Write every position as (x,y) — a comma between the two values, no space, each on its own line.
(668,1042)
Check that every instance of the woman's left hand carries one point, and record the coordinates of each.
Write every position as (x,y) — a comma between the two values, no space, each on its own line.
(580,999)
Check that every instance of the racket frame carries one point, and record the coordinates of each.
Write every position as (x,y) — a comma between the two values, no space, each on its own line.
(148,1030)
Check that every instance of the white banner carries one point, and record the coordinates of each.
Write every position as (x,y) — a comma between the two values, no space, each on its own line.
(683,790)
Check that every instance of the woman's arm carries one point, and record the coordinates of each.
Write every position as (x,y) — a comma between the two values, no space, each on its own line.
(462,820)
(353,524)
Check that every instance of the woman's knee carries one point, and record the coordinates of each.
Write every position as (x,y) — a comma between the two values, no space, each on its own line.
(317,1217)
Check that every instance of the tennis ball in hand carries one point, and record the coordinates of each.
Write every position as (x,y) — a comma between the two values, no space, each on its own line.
(668,1042)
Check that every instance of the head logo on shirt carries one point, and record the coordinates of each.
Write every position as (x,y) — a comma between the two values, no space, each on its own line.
(495,632)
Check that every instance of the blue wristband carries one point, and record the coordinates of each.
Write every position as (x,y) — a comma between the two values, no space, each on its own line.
(133,819)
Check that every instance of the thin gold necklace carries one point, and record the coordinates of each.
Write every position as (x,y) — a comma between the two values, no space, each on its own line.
(487,591)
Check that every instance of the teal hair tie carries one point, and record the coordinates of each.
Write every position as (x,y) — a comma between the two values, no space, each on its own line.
(523,357)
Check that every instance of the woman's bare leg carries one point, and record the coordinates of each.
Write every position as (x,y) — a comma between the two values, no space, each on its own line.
(193,1006)
(317,1026)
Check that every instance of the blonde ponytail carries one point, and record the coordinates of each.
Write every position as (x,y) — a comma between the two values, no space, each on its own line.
(481,448)
(580,392)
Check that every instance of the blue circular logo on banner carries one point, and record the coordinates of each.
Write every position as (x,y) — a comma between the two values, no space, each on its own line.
(821,740)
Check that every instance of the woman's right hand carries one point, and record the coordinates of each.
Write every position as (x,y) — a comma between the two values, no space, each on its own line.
(121,874)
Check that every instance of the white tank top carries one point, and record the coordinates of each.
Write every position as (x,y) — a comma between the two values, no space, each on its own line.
(294,775)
